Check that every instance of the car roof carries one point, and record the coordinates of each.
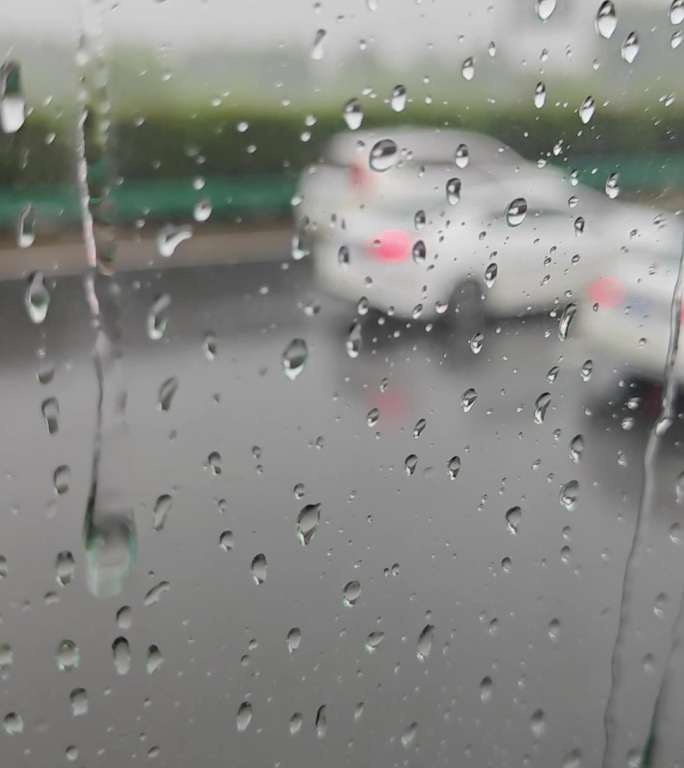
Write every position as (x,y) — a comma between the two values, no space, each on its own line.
(426,145)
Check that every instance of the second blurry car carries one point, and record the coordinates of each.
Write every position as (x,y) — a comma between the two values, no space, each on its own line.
(425,222)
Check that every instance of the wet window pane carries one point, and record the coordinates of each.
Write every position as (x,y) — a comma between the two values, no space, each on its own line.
(341,378)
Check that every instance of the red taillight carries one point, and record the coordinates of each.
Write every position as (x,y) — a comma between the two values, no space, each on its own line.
(606,292)
(391,245)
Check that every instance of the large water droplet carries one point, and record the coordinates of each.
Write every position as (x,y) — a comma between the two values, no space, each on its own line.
(486,689)
(6,656)
(587,109)
(65,568)
(62,479)
(468,68)
(317,50)
(50,409)
(79,701)
(538,723)
(677,11)
(202,210)
(13,723)
(308,520)
(676,39)
(545,8)
(353,114)
(373,641)
(606,19)
(294,638)
(454,467)
(490,274)
(12,102)
(67,655)
(576,448)
(461,156)
(170,237)
(419,219)
(154,660)
(259,569)
(611,188)
(294,358)
(156,592)
(354,340)
(565,321)
(121,651)
(573,759)
(226,541)
(468,400)
(630,48)
(383,155)
(166,393)
(541,405)
(513,518)
(124,617)
(161,509)
(158,317)
(26,227)
(36,298)
(410,464)
(321,721)
(398,99)
(424,647)
(539,95)
(244,716)
(453,191)
(568,495)
(351,593)
(516,212)
(408,736)
(210,345)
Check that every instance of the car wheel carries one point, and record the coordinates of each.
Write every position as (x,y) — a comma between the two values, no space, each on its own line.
(467,306)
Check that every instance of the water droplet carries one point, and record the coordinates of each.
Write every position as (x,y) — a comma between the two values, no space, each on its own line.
(659,605)
(568,495)
(226,541)
(50,409)
(308,520)
(476,342)
(321,721)
(490,274)
(122,655)
(454,467)
(468,400)
(354,340)
(36,298)
(158,317)
(419,252)
(12,101)
(210,346)
(409,735)
(259,569)
(343,256)
(294,638)
(425,639)
(418,429)
(461,156)
(166,392)
(516,212)
(244,716)
(676,39)
(62,479)
(294,358)
(13,724)
(538,723)
(124,617)
(587,368)
(202,210)
(486,689)
(587,109)
(398,99)
(6,656)
(468,68)
(565,322)
(630,48)
(161,509)
(170,237)
(373,641)
(79,701)
(296,723)
(513,518)
(351,593)
(156,592)
(67,655)
(539,95)
(677,12)
(372,417)
(453,191)
(353,114)
(154,660)
(606,19)
(410,464)
(317,49)
(26,227)
(215,463)
(576,448)
(383,155)
(573,760)
(419,219)
(65,568)
(611,188)
(541,405)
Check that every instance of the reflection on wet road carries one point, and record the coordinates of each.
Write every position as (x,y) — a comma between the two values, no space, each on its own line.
(453,599)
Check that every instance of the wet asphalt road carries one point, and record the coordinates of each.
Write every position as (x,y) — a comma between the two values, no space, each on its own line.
(524,622)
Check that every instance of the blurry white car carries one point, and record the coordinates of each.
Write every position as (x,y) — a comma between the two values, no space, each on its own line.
(627,317)
(418,221)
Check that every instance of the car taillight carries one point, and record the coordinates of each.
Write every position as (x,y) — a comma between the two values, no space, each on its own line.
(391,245)
(606,292)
